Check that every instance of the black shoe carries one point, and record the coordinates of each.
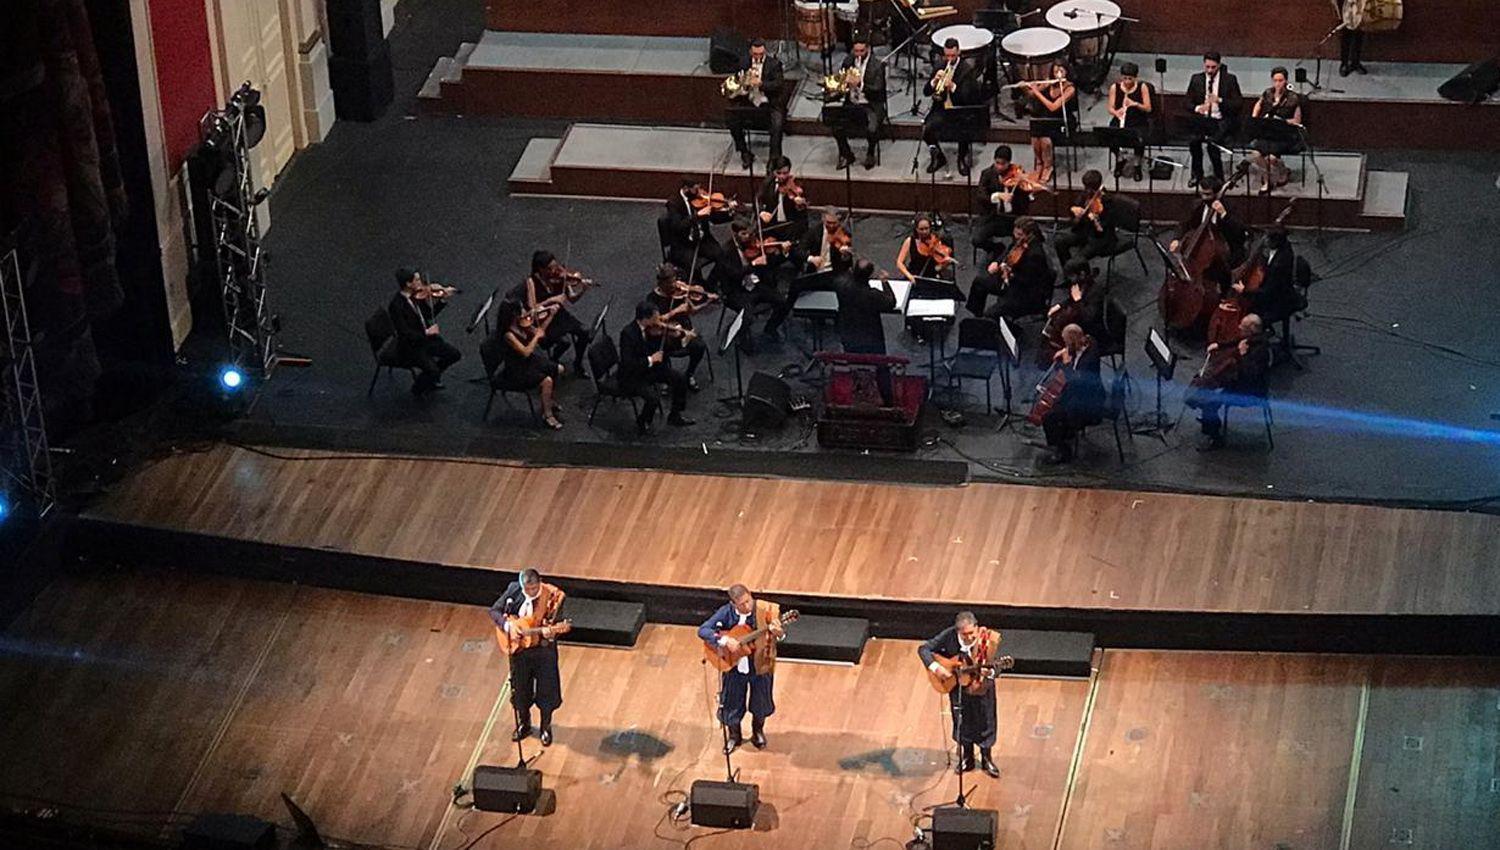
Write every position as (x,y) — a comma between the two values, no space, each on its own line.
(1057,458)
(680,421)
(1214,443)
(439,385)
(736,737)
(521,733)
(1359,68)
(643,427)
(963,166)
(1344,69)
(758,737)
(547,740)
(693,384)
(965,765)
(845,160)
(987,765)
(747,159)
(936,162)
(869,160)
(1193,181)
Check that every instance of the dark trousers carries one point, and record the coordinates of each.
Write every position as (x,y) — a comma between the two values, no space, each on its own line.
(974,719)
(739,298)
(662,373)
(693,262)
(983,286)
(993,229)
(1351,46)
(1140,132)
(1082,242)
(432,359)
(535,681)
(874,115)
(747,691)
(775,119)
(1196,146)
(1060,427)
(935,126)
(1209,403)
(694,351)
(564,330)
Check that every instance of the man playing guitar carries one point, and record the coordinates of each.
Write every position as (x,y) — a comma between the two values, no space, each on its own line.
(526,626)
(749,681)
(969,653)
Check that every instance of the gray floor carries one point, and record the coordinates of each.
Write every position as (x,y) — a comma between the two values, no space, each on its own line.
(1398,407)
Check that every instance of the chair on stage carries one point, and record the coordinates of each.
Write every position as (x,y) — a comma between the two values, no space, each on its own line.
(978,355)
(490,355)
(1287,347)
(604,357)
(1258,397)
(380,333)
(664,235)
(1126,213)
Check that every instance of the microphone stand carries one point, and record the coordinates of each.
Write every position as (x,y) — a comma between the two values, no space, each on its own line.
(1317,51)
(510,676)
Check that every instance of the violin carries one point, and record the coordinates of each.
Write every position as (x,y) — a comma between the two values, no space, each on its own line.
(1015,177)
(764,247)
(935,249)
(571,281)
(794,192)
(1013,257)
(692,293)
(1093,209)
(663,328)
(713,202)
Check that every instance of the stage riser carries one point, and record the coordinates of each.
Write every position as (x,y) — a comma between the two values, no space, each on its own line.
(99,543)
(949,196)
(1432,31)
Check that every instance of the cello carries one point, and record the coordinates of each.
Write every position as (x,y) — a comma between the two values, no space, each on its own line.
(1187,297)
(1224,326)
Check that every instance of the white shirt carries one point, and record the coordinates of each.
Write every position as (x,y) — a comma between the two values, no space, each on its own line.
(528,604)
(744,665)
(825,254)
(858,95)
(1211,87)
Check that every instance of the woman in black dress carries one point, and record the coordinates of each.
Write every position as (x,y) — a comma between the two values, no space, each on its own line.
(1056,102)
(1131,101)
(523,365)
(1283,104)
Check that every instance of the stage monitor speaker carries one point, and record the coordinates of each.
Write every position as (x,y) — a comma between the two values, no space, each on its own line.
(726,805)
(362,88)
(955,828)
(726,50)
(215,831)
(768,402)
(1473,83)
(506,789)
(355,30)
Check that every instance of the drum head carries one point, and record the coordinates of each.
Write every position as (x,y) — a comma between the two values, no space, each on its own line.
(1083,15)
(969,37)
(1035,42)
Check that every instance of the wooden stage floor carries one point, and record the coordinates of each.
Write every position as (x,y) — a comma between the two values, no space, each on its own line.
(155,696)
(982,544)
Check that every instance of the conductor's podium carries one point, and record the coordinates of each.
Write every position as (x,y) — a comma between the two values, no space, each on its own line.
(855,416)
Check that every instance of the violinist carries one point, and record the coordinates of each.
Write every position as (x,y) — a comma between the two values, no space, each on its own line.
(1233,372)
(864,78)
(1208,209)
(829,246)
(1131,102)
(643,365)
(783,204)
(1082,401)
(1019,275)
(1004,192)
(677,302)
(926,253)
(551,283)
(1282,104)
(954,83)
(1092,233)
(1214,94)
(763,79)
(522,364)
(413,311)
(1055,102)
(533,672)
(687,227)
(754,270)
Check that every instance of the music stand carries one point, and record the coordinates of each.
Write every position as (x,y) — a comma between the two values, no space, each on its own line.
(967,125)
(841,118)
(482,313)
(1011,355)
(1272,130)
(732,337)
(757,118)
(1164,364)
(920,306)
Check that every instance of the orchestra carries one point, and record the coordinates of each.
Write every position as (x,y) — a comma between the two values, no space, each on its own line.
(1131,102)
(1232,371)
(677,301)
(1282,104)
(1054,106)
(1018,276)
(926,252)
(1091,232)
(1005,191)
(644,365)
(1213,95)
(550,283)
(523,365)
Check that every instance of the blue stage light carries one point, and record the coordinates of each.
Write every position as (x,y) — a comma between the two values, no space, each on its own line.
(231,378)
(4,507)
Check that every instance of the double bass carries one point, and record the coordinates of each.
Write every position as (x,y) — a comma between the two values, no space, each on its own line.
(1224,326)
(1187,296)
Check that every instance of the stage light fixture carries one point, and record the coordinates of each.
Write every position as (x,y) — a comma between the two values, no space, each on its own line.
(231,378)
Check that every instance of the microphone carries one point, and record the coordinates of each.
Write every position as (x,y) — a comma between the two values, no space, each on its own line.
(1070,13)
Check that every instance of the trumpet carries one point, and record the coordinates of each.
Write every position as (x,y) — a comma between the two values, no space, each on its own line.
(942,82)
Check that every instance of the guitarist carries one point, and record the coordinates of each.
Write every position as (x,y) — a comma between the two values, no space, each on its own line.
(975,703)
(749,684)
(533,671)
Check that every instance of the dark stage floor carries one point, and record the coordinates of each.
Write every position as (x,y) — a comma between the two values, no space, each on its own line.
(1397,407)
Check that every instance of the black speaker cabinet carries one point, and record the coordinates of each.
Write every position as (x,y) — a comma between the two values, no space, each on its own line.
(362,88)
(954,828)
(506,789)
(1473,83)
(768,402)
(355,30)
(726,49)
(726,805)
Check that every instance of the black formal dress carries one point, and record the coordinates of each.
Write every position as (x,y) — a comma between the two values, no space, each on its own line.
(431,354)
(1081,403)
(872,99)
(1285,110)
(1027,293)
(533,672)
(942,122)
(974,715)
(638,376)
(1230,101)
(564,329)
(1135,119)
(771,113)
(997,219)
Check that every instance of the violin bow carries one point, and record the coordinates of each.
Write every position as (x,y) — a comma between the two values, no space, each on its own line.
(722,162)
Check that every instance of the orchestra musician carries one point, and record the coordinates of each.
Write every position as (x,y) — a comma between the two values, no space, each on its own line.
(1004,192)
(1215,94)
(749,686)
(418,340)
(1352,37)
(762,77)
(1092,233)
(860,324)
(687,223)
(1082,304)
(753,272)
(974,708)
(1230,374)
(1282,104)
(643,365)
(926,253)
(1053,102)
(783,205)
(522,364)
(533,672)
(1276,297)
(954,83)
(677,302)
(1082,400)
(1209,209)
(829,246)
(1131,102)
(551,283)
(864,79)
(1019,276)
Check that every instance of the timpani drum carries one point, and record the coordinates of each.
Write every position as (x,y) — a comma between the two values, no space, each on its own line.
(973,42)
(818,24)
(1033,52)
(1092,25)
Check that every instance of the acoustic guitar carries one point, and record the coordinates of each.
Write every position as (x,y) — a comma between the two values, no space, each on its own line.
(724,660)
(968,675)
(526,633)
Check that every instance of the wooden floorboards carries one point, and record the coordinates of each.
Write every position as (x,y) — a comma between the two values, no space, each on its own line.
(983,543)
(146,693)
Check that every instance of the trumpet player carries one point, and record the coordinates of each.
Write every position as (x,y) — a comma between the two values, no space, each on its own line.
(954,83)
(861,83)
(756,87)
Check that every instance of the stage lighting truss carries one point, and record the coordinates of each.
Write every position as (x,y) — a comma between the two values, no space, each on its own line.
(239,261)
(27,461)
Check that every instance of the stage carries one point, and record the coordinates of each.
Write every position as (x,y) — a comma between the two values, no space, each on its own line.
(135,699)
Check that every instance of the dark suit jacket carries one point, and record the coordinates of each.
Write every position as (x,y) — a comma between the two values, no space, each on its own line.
(772,78)
(635,353)
(411,330)
(812,245)
(874,82)
(1031,280)
(1249,375)
(1230,99)
(683,227)
(989,184)
(1235,234)
(860,309)
(968,91)
(1276,298)
(769,197)
(1083,397)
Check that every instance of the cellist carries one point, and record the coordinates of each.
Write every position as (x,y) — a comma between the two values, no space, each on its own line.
(1234,371)
(1082,400)
(1208,209)
(1275,299)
